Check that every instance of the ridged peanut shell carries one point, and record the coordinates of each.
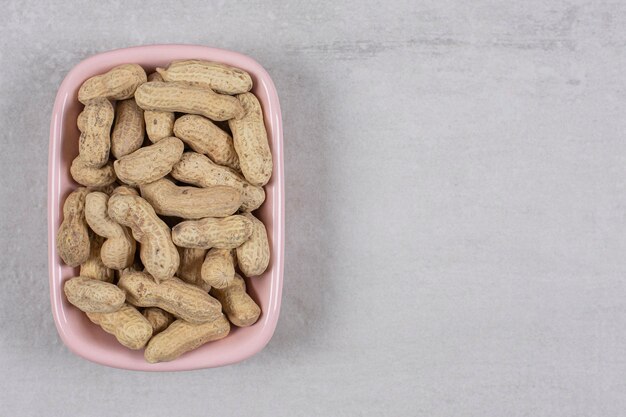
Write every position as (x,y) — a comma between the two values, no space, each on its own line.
(95,126)
(186,98)
(127,135)
(219,77)
(225,233)
(183,300)
(190,267)
(118,251)
(159,319)
(181,337)
(127,324)
(169,199)
(93,267)
(93,296)
(125,190)
(253,256)
(73,236)
(107,189)
(157,252)
(251,144)
(150,163)
(119,83)
(218,268)
(159,124)
(204,137)
(196,169)
(240,308)
(92,177)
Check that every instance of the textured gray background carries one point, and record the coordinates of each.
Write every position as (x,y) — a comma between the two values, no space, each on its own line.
(456,208)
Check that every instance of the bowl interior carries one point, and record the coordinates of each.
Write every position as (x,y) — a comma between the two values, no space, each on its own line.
(89,340)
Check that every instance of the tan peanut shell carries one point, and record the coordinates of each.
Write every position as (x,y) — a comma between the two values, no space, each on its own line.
(94,267)
(81,120)
(92,177)
(93,296)
(183,300)
(204,137)
(219,77)
(186,98)
(190,267)
(73,237)
(107,189)
(119,83)
(159,124)
(181,337)
(240,308)
(225,233)
(155,76)
(127,324)
(250,139)
(253,256)
(95,126)
(196,169)
(159,319)
(158,253)
(125,190)
(127,135)
(118,251)
(150,163)
(168,199)
(218,268)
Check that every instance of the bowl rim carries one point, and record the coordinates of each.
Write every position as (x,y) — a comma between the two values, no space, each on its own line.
(273,114)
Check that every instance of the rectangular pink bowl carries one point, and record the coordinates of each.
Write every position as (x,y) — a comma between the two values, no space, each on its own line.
(77,332)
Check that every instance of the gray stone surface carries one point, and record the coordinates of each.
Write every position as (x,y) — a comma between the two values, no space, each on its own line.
(456,208)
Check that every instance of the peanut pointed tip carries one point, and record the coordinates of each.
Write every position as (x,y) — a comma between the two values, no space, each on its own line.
(149,357)
(161,71)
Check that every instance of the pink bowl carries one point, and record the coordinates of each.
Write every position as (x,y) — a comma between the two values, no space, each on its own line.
(77,332)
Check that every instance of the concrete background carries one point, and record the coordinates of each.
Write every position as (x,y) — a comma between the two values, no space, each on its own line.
(456,208)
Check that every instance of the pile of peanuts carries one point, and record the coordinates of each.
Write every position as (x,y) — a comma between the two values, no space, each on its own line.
(182,198)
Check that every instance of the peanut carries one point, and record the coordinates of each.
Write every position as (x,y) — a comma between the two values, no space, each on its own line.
(93,296)
(219,77)
(169,199)
(240,308)
(95,126)
(73,236)
(191,266)
(183,300)
(107,189)
(127,134)
(224,233)
(92,177)
(155,76)
(119,83)
(127,324)
(218,268)
(159,124)
(125,190)
(196,169)
(159,319)
(118,252)
(186,98)
(181,337)
(250,139)
(81,120)
(203,136)
(94,267)
(148,164)
(253,256)
(158,253)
